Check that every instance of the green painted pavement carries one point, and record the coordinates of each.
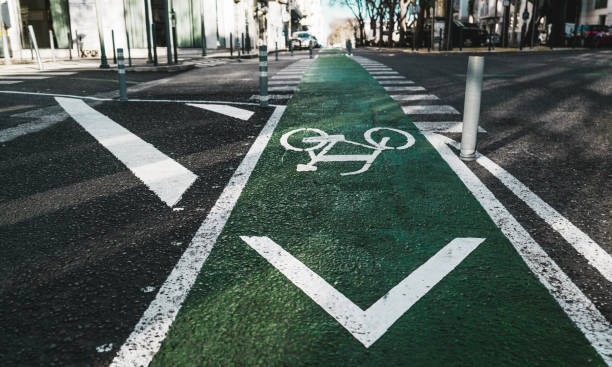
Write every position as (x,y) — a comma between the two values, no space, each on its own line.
(363,234)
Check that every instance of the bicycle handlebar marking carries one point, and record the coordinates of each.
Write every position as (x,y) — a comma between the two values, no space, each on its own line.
(326,142)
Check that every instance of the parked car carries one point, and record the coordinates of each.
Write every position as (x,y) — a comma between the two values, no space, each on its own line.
(596,35)
(473,36)
(301,40)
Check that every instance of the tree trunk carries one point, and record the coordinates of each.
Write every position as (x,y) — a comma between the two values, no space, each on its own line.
(559,15)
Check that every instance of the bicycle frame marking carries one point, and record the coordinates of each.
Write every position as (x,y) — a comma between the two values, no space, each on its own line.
(326,142)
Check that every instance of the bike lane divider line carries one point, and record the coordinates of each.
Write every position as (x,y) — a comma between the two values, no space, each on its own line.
(144,342)
(164,176)
(357,197)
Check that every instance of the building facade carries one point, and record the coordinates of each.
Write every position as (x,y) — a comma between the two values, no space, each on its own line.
(596,12)
(219,21)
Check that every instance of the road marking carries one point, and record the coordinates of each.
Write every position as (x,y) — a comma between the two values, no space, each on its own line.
(164,176)
(289,73)
(576,305)
(492,75)
(404,89)
(395,82)
(369,325)
(384,72)
(580,241)
(235,112)
(326,142)
(284,82)
(255,97)
(286,77)
(443,126)
(146,339)
(378,68)
(284,88)
(430,110)
(414,97)
(25,77)
(7,82)
(381,77)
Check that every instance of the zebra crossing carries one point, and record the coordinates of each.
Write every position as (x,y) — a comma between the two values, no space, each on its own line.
(206,63)
(285,82)
(17,79)
(424,108)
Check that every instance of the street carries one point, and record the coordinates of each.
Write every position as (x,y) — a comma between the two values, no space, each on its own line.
(191,225)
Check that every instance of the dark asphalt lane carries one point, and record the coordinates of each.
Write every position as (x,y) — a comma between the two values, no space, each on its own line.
(85,245)
(548,121)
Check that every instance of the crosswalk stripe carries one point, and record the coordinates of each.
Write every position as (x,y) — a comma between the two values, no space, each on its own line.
(430,110)
(284,88)
(381,77)
(256,97)
(404,89)
(414,97)
(284,82)
(384,73)
(395,82)
(164,176)
(7,82)
(287,77)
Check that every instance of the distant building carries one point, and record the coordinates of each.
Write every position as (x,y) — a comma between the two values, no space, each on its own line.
(596,12)
(72,19)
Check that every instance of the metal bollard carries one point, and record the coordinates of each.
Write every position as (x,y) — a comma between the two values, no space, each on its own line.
(238,49)
(461,40)
(127,36)
(231,45)
(440,41)
(35,44)
(114,49)
(413,40)
(291,48)
(275,51)
(52,44)
(154,36)
(263,75)
(471,109)
(78,44)
(310,48)
(70,45)
(121,71)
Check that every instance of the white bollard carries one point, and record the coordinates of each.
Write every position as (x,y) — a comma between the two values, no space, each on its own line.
(471,109)
(35,44)
(52,45)
(5,45)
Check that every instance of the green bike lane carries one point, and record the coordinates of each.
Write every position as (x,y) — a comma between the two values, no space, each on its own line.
(315,267)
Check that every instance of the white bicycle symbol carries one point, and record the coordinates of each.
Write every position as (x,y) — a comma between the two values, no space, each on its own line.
(326,142)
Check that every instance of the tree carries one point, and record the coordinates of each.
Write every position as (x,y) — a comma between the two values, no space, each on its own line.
(358,8)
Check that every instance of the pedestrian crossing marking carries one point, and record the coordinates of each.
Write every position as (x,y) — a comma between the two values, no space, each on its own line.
(404,89)
(231,111)
(430,110)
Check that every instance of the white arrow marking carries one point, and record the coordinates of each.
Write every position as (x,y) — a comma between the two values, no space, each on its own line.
(235,112)
(369,325)
(164,176)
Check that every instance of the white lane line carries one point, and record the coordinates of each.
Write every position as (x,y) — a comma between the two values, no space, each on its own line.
(255,97)
(144,342)
(383,77)
(370,68)
(404,89)
(284,88)
(164,176)
(369,325)
(430,110)
(284,82)
(289,73)
(231,111)
(25,77)
(597,257)
(7,82)
(285,77)
(414,97)
(395,82)
(576,305)
(443,126)
(384,73)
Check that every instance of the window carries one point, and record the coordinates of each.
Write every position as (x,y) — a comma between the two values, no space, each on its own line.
(601,4)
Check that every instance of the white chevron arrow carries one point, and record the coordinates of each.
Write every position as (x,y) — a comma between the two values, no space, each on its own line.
(369,325)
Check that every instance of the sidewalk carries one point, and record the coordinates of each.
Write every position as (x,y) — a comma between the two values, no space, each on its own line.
(471,50)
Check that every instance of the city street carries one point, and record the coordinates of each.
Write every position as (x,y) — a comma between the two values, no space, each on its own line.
(192,226)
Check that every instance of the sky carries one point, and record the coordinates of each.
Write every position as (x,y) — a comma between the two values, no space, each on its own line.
(334,12)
